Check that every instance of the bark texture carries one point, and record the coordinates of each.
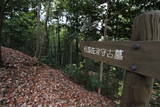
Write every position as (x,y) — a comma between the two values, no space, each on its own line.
(137,88)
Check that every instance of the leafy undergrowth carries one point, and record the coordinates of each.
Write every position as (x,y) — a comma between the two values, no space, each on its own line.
(24,82)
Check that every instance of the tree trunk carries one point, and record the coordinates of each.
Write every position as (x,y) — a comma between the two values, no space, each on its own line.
(77,51)
(1,28)
(59,45)
(38,36)
(3,7)
(45,38)
(70,53)
(137,88)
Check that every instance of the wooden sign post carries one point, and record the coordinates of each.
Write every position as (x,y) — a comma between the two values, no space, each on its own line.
(140,57)
(137,88)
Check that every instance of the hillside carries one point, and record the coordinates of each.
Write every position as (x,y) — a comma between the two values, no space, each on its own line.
(25,82)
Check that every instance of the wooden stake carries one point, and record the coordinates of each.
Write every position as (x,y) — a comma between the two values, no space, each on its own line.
(101,77)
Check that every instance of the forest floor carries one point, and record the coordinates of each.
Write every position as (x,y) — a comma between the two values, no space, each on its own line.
(25,82)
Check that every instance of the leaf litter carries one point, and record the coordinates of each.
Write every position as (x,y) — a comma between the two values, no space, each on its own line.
(26,82)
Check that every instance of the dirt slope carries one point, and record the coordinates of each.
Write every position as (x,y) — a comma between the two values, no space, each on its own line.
(25,83)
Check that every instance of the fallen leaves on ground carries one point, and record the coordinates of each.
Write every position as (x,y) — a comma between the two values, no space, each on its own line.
(24,83)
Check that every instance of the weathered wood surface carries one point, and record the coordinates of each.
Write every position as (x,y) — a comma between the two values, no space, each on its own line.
(137,88)
(146,58)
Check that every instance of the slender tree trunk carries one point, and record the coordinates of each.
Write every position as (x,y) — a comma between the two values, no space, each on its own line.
(62,59)
(76,30)
(77,51)
(56,46)
(59,44)
(3,7)
(70,53)
(46,36)
(38,38)
(56,49)
(1,28)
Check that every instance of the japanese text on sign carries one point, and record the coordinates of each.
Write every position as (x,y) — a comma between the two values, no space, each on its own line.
(113,54)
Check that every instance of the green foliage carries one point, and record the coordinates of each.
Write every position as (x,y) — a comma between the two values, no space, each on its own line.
(111,85)
(155,100)
(19,32)
(76,74)
(9,7)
